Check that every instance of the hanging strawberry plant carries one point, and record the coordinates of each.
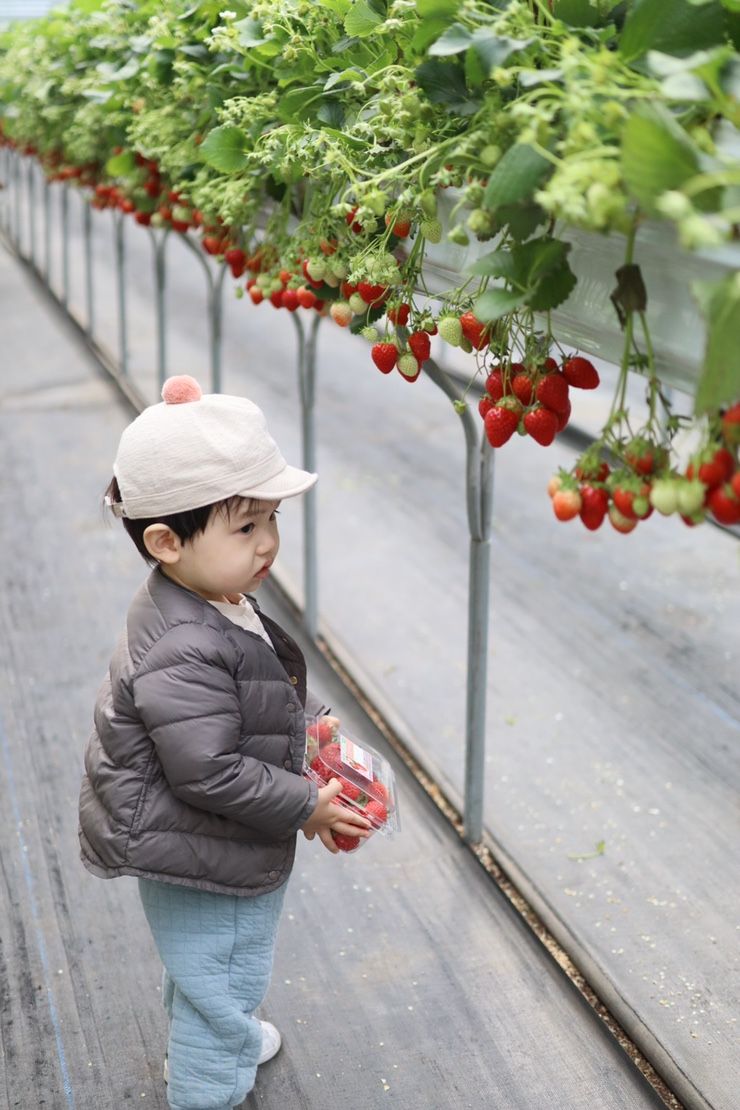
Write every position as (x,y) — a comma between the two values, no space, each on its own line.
(318,149)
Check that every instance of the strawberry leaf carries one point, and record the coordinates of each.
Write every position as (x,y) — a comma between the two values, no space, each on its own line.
(516,176)
(495,303)
(225,148)
(720,378)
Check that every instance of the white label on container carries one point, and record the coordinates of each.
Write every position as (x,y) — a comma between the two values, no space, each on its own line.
(356,757)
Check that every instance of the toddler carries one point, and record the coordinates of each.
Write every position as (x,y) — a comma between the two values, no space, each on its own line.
(193,777)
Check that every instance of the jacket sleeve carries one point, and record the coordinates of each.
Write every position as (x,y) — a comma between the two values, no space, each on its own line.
(187,698)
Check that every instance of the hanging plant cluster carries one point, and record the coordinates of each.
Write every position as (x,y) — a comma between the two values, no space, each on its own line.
(309,147)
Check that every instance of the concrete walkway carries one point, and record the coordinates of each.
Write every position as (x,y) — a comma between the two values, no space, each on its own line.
(402,976)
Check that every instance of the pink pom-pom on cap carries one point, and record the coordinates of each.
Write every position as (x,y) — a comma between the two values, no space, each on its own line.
(180,389)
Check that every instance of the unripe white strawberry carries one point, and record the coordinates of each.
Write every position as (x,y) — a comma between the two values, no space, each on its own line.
(357,303)
(341,313)
(450,329)
(431,230)
(316,269)
(408,365)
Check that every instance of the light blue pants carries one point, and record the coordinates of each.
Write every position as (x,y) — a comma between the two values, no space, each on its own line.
(217,952)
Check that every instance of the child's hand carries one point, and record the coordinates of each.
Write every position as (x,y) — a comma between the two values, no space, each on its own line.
(328,817)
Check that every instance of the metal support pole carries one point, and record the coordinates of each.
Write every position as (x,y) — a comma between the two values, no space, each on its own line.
(120,251)
(216,316)
(307,390)
(31,194)
(215,311)
(480,510)
(65,245)
(17,203)
(159,244)
(89,287)
(47,230)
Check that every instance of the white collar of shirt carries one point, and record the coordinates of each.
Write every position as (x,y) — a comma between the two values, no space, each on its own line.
(244,616)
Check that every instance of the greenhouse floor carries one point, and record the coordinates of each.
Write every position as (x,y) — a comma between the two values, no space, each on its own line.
(433,972)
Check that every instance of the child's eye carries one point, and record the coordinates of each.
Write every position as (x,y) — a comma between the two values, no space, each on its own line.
(247,529)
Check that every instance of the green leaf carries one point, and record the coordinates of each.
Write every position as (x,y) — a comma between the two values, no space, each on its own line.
(443,82)
(495,303)
(428,30)
(499,264)
(250,32)
(582,13)
(120,164)
(657,154)
(516,176)
(444,8)
(554,288)
(361,19)
(339,7)
(528,78)
(494,49)
(719,383)
(673,26)
(521,219)
(455,39)
(225,148)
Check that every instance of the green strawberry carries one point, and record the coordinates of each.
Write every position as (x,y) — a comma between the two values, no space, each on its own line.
(431,230)
(691,494)
(450,329)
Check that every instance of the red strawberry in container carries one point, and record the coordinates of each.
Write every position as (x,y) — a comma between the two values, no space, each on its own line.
(366,778)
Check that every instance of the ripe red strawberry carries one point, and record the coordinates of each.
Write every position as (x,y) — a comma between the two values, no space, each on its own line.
(542,425)
(379,790)
(276,298)
(400,225)
(290,299)
(552,392)
(500,424)
(211,243)
(644,456)
(306,297)
(523,387)
(144,218)
(594,506)
(376,812)
(581,373)
(474,331)
(724,505)
(384,356)
(354,224)
(331,756)
(350,790)
(632,502)
(420,344)
(256,294)
(495,385)
(566,503)
(735,483)
(485,405)
(399,315)
(345,843)
(321,731)
(371,294)
(731,424)
(595,469)
(564,417)
(346,289)
(234,256)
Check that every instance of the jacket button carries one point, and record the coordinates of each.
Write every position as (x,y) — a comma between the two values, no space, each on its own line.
(293,680)
(288,764)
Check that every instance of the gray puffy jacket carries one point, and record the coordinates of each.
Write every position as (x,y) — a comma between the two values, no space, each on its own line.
(193,769)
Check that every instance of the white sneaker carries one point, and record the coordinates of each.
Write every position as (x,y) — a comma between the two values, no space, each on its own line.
(271,1042)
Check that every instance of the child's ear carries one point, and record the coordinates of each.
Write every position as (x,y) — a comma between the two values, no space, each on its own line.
(162,543)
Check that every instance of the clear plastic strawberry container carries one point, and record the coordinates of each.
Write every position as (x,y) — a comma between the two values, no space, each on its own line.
(367,778)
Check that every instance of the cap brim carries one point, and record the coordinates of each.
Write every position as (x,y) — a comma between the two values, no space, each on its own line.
(290,482)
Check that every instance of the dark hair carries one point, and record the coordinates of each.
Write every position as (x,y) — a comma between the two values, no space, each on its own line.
(185,525)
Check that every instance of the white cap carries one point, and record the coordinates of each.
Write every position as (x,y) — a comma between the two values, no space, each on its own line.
(193,450)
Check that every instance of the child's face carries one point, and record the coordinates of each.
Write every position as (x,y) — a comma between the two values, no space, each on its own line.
(232,556)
